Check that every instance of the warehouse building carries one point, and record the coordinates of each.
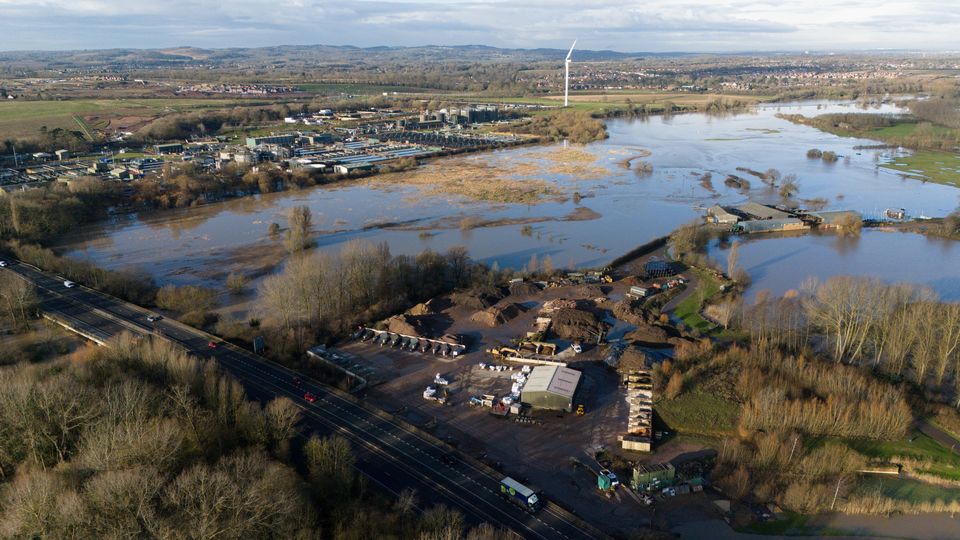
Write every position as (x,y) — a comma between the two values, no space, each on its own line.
(551,387)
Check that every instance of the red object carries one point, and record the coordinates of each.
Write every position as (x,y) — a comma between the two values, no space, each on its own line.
(309,397)
(212,344)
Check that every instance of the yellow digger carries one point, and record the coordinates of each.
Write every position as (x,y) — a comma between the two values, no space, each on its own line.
(580,410)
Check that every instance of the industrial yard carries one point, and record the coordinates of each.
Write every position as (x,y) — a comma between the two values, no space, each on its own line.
(549,408)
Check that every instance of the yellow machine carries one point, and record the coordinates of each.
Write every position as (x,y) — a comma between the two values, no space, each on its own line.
(580,411)
(500,352)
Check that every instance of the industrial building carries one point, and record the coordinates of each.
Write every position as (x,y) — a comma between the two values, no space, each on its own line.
(551,387)
(171,148)
(285,139)
(653,474)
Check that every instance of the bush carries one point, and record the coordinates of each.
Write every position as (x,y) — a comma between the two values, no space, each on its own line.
(814,153)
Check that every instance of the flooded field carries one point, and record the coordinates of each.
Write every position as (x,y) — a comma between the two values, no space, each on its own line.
(579,206)
(780,263)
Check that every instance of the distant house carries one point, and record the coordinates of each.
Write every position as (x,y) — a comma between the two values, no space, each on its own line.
(63,154)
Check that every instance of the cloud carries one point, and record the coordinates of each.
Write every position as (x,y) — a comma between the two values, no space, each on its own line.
(652,25)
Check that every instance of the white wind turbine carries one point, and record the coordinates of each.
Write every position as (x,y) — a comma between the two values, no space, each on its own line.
(566,78)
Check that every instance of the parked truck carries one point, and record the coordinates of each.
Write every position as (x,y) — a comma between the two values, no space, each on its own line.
(520,494)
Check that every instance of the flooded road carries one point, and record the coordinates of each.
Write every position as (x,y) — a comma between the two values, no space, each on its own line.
(600,202)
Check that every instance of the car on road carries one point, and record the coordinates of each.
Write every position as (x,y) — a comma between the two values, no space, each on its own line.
(212,344)
(69,284)
(3,264)
(447,459)
(297,381)
(310,397)
(614,481)
(154,318)
(577,348)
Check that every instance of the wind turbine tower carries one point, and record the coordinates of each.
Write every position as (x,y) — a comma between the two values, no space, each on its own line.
(566,77)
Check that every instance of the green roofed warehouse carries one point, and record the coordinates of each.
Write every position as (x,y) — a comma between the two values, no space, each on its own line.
(551,387)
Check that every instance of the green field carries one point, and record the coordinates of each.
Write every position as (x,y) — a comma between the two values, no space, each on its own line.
(904,489)
(697,412)
(22,118)
(917,446)
(937,167)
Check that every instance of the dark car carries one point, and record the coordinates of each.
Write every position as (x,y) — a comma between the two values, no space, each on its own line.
(297,381)
(310,397)
(447,459)
(153,318)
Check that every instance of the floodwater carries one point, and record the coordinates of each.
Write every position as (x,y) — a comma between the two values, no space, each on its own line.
(201,245)
(783,262)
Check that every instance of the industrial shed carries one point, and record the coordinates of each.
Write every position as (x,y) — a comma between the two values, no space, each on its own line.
(551,387)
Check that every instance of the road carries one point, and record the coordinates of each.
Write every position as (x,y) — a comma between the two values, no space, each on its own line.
(390,453)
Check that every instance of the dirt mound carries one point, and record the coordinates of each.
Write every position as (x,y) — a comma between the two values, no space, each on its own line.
(523,288)
(633,360)
(632,281)
(497,315)
(475,299)
(429,307)
(551,306)
(588,291)
(628,311)
(405,324)
(576,324)
(654,336)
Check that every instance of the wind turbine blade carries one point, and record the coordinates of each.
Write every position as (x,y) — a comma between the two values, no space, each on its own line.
(571,49)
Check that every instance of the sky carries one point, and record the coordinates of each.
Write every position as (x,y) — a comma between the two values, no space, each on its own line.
(620,25)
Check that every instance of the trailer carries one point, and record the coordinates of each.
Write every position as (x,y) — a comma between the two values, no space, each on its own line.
(520,494)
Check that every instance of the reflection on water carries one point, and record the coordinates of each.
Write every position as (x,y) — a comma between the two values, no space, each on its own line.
(783,262)
(203,244)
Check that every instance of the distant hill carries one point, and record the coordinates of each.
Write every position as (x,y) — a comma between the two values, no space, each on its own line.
(290,55)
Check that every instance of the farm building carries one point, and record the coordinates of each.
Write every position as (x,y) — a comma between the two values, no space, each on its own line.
(551,387)
(771,225)
(761,211)
(719,215)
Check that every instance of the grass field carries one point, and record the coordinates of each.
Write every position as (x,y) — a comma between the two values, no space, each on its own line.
(700,413)
(916,446)
(25,118)
(689,309)
(937,167)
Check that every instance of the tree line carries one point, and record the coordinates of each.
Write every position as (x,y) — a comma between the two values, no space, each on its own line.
(141,440)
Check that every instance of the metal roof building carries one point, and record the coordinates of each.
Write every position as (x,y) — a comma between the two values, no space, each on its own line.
(551,387)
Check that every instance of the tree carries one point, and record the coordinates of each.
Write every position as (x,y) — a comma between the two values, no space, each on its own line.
(733,256)
(18,300)
(674,386)
(300,221)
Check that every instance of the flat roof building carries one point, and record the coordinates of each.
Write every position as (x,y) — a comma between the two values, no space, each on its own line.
(551,387)
(286,139)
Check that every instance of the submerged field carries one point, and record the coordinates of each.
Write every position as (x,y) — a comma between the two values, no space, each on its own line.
(937,167)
